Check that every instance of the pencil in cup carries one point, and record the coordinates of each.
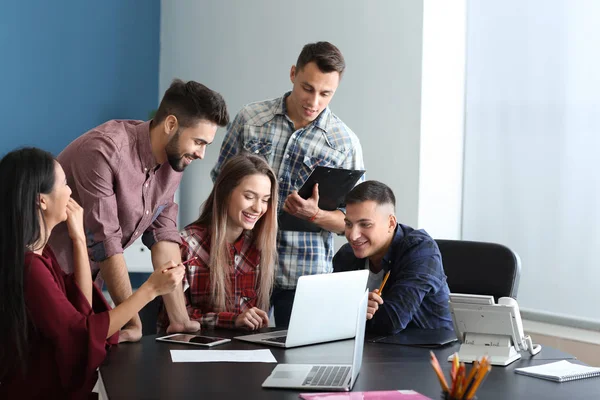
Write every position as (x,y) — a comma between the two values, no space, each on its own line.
(438,371)
(448,396)
(385,278)
(462,386)
(484,368)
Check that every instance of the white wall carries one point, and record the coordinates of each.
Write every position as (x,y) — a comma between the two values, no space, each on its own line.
(442,118)
(245,49)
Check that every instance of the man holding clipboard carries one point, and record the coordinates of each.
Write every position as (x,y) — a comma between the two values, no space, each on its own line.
(296,133)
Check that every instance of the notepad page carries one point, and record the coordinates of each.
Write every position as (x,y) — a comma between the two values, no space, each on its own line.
(560,371)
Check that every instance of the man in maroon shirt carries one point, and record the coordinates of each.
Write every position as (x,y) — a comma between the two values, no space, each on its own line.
(124,174)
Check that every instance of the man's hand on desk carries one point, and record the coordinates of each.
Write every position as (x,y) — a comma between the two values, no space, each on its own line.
(132,331)
(186,327)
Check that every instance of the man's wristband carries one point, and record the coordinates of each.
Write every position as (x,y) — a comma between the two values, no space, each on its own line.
(312,219)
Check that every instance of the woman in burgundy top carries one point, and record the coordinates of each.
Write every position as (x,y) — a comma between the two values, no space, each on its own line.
(231,248)
(56,328)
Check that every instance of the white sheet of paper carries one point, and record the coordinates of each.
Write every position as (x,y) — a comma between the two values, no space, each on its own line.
(264,355)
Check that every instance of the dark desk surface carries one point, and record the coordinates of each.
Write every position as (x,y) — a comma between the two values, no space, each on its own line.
(144,371)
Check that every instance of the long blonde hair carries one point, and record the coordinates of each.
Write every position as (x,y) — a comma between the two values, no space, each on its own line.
(214,217)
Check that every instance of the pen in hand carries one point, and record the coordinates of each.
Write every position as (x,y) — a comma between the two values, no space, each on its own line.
(385,278)
(183,263)
(189,261)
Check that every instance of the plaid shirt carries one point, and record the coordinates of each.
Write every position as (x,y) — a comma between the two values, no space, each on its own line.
(265,129)
(198,297)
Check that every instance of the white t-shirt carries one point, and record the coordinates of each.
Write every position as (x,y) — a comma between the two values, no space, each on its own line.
(374,279)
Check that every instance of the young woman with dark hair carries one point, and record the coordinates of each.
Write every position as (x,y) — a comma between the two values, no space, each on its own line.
(56,328)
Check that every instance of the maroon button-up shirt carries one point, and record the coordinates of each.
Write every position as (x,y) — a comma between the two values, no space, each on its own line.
(123,191)
(67,339)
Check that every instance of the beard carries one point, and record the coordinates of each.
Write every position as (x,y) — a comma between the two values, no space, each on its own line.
(174,157)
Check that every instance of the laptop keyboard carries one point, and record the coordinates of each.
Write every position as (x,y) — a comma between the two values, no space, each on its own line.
(278,339)
(332,375)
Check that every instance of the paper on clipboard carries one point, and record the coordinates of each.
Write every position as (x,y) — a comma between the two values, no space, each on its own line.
(334,185)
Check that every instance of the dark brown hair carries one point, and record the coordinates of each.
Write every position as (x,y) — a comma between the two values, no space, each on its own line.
(375,191)
(191,102)
(327,57)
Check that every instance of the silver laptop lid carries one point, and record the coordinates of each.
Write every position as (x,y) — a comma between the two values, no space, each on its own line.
(325,307)
(359,341)
(294,376)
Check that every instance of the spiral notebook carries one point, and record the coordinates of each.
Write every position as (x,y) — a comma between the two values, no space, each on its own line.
(560,371)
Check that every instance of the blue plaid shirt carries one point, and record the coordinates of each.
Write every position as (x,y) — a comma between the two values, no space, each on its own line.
(264,129)
(416,293)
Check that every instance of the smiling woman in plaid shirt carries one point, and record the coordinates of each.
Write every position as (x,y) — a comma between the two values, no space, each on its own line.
(231,248)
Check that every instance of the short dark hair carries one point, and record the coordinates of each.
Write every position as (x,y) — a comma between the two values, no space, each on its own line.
(375,191)
(327,57)
(191,102)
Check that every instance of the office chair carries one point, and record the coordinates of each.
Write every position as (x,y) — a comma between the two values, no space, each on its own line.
(480,268)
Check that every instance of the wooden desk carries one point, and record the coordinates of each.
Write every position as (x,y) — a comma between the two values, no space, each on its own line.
(144,371)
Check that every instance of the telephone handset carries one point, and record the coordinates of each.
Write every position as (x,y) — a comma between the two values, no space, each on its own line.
(523,342)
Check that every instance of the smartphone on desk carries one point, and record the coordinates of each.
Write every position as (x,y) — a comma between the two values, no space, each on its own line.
(197,340)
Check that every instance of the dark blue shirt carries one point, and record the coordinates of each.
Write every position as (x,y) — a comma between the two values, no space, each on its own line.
(416,293)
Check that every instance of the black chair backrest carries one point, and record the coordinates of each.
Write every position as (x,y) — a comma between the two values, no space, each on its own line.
(480,268)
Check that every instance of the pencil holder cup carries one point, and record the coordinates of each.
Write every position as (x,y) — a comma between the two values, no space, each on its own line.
(446,396)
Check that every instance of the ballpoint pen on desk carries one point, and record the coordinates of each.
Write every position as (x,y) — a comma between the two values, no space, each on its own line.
(463,386)
(385,278)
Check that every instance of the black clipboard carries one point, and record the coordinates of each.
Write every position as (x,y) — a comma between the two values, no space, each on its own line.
(334,185)
(429,338)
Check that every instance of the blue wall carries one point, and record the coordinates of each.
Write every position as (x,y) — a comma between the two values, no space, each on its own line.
(69,65)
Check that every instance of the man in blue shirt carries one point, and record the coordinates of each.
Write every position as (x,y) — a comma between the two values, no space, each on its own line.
(416,293)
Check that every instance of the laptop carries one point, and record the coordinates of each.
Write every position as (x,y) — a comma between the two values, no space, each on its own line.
(324,310)
(329,377)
